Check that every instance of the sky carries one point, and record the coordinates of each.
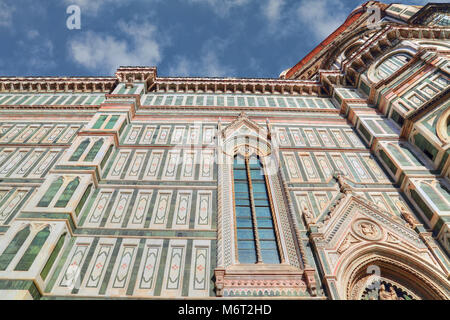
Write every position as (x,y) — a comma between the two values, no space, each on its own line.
(210,38)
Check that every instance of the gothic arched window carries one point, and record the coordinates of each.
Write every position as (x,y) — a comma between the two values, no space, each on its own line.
(256,238)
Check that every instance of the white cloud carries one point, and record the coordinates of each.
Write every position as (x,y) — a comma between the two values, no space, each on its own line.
(272,10)
(32,34)
(91,7)
(221,7)
(208,64)
(105,53)
(6,12)
(322,17)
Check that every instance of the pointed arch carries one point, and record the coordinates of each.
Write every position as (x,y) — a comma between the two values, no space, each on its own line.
(281,257)
(443,126)
(400,268)
(246,139)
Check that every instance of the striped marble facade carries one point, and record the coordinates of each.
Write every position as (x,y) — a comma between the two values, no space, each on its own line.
(114,187)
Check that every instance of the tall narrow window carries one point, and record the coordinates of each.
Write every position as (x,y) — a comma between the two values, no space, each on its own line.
(256,239)
(13,247)
(94,150)
(80,150)
(33,250)
(68,193)
(52,190)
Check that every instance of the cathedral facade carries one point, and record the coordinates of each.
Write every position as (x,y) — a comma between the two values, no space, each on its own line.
(329,182)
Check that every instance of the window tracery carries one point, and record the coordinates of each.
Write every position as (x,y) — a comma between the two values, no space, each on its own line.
(256,238)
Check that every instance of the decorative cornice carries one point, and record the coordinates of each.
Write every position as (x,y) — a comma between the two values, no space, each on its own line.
(57,84)
(235,85)
(130,75)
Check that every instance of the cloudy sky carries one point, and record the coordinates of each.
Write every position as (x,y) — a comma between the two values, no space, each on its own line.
(221,38)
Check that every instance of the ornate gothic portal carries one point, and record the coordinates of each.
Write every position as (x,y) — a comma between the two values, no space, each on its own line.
(329,182)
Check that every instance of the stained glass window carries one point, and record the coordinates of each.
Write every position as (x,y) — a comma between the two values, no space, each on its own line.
(254,220)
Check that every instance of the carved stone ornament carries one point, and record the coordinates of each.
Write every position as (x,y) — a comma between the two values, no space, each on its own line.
(367,230)
(388,294)
(347,243)
(309,218)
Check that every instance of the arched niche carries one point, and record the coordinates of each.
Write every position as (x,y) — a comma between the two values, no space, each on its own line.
(349,44)
(351,49)
(389,64)
(438,45)
(404,276)
(443,127)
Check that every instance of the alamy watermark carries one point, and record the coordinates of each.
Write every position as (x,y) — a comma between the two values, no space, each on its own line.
(373,22)
(73,22)
(374,280)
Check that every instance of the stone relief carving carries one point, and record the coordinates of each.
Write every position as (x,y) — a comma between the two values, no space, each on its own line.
(367,230)
(347,243)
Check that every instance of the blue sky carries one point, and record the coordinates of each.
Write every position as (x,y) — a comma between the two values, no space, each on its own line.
(222,38)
